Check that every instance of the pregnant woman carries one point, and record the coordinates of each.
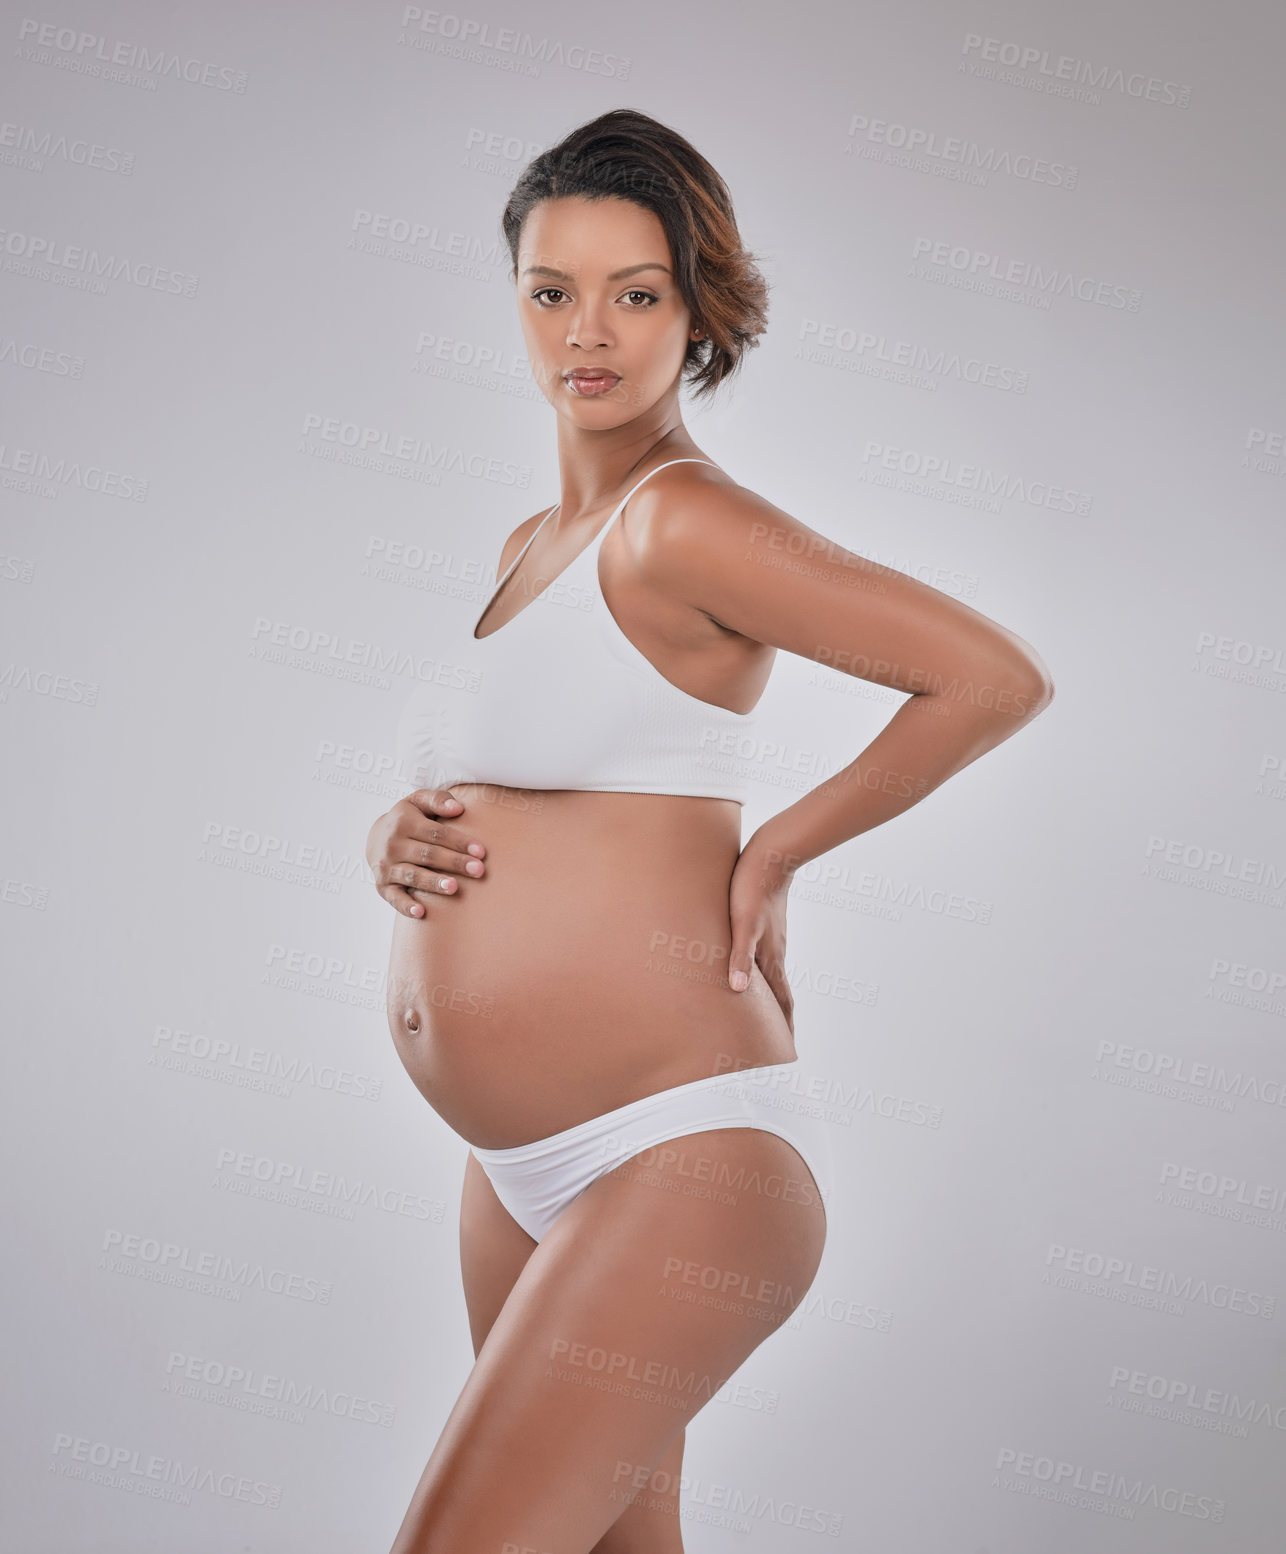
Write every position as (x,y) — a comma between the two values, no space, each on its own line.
(588,969)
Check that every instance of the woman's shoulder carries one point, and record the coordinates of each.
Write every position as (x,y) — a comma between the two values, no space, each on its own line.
(509,550)
(685,497)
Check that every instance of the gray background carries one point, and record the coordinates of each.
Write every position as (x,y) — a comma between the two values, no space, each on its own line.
(256,474)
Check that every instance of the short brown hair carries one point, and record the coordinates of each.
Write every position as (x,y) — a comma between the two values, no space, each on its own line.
(626,155)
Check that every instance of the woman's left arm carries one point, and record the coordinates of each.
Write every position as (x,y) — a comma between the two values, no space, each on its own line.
(970,683)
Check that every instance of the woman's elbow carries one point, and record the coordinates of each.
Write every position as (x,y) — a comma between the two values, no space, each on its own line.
(1035,684)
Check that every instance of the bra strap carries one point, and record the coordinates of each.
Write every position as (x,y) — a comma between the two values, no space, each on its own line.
(657,470)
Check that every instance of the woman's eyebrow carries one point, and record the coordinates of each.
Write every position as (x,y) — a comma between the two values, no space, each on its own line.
(616,275)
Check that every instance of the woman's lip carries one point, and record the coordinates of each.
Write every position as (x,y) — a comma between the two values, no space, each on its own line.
(587,387)
(592,377)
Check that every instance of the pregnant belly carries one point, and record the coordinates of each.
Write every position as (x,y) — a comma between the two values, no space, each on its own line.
(588,966)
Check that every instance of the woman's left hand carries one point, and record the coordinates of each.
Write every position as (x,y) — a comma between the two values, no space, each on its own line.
(757,913)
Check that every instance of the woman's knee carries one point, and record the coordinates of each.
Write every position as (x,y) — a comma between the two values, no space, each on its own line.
(649,1498)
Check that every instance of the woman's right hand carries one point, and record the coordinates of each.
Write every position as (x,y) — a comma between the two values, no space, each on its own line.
(413,854)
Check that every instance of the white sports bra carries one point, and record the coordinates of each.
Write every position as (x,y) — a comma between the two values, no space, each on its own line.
(559,697)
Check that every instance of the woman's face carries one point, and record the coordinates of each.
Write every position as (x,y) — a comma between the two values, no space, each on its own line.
(596,291)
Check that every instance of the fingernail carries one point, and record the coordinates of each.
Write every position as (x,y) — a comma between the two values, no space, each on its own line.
(476,849)
(738,981)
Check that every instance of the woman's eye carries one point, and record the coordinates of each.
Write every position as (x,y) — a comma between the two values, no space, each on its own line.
(648,298)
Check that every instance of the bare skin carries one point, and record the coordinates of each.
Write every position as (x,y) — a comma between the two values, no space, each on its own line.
(587,962)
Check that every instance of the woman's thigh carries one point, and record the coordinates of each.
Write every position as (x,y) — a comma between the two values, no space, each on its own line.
(494,1248)
(650,1290)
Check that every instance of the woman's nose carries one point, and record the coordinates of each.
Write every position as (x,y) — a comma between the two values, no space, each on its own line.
(587,328)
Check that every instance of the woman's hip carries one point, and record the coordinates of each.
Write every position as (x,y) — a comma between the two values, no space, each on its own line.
(659,1135)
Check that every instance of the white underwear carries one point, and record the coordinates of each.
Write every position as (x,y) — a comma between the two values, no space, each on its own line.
(537,1181)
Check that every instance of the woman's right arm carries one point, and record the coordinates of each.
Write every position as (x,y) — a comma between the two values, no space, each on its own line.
(413,853)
